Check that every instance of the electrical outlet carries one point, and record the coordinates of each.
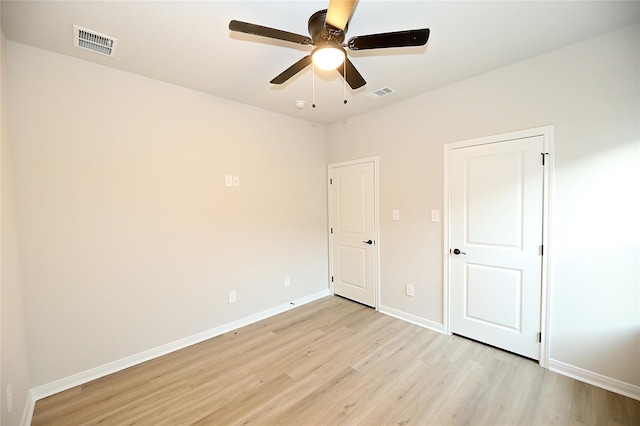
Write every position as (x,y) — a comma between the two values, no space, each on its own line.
(232,296)
(236,181)
(228,180)
(287,281)
(411,291)
(9,398)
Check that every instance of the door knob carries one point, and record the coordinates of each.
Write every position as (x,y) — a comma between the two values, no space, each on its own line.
(457,252)
(368,242)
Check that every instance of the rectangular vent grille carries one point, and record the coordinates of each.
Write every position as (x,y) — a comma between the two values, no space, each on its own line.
(384,91)
(91,40)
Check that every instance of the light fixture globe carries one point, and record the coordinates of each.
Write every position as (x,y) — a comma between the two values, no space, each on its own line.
(328,57)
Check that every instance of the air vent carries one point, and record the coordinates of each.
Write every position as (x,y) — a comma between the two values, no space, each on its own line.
(91,40)
(383,91)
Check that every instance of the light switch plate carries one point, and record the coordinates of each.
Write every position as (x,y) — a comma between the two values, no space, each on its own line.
(435,215)
(236,181)
(396,214)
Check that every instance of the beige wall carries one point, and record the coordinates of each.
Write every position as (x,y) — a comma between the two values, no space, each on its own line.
(590,92)
(14,370)
(129,238)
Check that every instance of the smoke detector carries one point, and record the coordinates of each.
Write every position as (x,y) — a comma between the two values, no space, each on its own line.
(94,41)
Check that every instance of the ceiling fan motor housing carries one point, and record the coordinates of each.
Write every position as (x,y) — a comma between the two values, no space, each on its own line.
(321,33)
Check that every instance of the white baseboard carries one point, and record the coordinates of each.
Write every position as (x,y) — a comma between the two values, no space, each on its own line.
(39,392)
(49,389)
(613,385)
(431,325)
(599,380)
(27,412)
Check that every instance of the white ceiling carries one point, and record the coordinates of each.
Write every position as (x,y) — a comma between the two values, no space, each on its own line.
(189,43)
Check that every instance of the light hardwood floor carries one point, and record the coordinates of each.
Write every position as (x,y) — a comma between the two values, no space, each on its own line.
(336,362)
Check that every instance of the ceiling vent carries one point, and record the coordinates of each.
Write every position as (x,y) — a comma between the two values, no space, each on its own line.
(384,91)
(91,40)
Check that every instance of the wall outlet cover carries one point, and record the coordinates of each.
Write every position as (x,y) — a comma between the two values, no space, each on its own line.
(9,398)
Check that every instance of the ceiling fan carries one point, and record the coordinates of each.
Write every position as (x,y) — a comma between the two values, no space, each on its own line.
(327,29)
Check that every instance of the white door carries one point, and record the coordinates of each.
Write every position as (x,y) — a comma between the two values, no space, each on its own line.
(495,237)
(353,247)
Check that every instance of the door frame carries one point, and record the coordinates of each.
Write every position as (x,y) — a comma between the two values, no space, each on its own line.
(548,135)
(376,224)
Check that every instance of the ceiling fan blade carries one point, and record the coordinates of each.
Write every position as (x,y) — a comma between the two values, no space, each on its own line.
(353,78)
(292,70)
(339,13)
(395,39)
(259,30)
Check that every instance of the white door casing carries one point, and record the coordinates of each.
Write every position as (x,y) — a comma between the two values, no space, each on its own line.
(497,193)
(353,242)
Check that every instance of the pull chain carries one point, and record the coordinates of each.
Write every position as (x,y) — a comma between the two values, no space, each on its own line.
(313,85)
(344,83)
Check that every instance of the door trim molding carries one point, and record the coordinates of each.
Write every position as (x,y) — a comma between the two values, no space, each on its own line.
(548,134)
(376,224)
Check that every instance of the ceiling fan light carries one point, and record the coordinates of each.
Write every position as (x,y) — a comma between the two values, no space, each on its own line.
(328,57)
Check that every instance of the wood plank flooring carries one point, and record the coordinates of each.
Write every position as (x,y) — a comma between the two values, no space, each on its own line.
(335,362)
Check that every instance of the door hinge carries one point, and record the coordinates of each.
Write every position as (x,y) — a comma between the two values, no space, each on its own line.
(332,230)
(539,337)
(544,154)
(331,278)
(330,181)
(541,249)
